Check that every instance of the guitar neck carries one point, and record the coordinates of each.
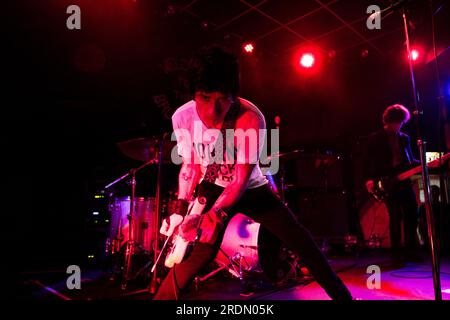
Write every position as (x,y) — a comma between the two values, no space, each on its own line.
(405,175)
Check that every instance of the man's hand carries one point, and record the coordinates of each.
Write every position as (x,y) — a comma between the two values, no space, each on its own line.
(210,227)
(189,227)
(370,186)
(169,224)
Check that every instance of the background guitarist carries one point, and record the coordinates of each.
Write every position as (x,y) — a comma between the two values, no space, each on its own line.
(389,153)
(239,187)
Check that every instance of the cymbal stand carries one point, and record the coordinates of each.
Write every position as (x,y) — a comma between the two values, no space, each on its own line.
(154,281)
(129,246)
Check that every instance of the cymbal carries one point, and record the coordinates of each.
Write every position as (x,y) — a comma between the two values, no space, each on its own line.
(285,156)
(146,149)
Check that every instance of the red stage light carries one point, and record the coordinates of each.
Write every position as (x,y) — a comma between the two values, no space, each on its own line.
(248,48)
(307,60)
(414,54)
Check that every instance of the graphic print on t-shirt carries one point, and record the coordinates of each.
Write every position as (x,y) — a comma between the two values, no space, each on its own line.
(208,152)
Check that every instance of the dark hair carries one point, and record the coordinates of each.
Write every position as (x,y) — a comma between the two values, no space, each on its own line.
(396,114)
(215,69)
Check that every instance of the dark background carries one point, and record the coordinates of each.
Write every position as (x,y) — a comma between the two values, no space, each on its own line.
(71,95)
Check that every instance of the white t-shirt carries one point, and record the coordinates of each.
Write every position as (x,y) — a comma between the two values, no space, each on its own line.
(197,143)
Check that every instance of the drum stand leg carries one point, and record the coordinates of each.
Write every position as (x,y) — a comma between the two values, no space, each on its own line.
(237,258)
(129,249)
(199,280)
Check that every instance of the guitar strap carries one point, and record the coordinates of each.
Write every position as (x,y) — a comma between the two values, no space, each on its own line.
(213,168)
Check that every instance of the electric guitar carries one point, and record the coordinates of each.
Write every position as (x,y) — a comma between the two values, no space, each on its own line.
(179,246)
(384,186)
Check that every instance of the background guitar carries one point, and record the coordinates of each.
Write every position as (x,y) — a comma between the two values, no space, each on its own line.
(384,185)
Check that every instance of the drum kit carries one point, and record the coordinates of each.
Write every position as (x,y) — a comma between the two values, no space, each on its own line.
(247,248)
(135,221)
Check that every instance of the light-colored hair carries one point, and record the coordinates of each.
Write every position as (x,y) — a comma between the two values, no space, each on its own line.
(396,113)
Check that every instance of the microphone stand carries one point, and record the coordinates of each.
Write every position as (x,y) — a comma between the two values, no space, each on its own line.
(421,143)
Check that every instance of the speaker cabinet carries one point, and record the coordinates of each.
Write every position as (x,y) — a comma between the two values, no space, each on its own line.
(324,214)
(316,171)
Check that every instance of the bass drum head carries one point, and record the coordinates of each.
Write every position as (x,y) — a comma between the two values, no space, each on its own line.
(374,222)
(260,252)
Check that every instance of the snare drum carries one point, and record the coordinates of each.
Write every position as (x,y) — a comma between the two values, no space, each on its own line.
(250,247)
(119,209)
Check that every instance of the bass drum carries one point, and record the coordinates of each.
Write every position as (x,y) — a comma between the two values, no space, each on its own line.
(119,209)
(374,222)
(248,246)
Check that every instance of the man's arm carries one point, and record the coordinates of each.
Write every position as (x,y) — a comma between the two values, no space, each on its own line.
(189,177)
(411,157)
(234,190)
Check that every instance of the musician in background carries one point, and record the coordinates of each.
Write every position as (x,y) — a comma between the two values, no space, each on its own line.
(238,187)
(389,153)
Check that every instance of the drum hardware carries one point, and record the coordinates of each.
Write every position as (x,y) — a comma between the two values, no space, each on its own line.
(234,267)
(154,282)
(151,151)
(282,158)
(143,214)
(130,243)
(146,149)
(374,241)
(249,252)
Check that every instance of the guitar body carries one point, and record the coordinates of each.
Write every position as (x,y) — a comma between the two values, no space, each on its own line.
(383,188)
(179,246)
(177,252)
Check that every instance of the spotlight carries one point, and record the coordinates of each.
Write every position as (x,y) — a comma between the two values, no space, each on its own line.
(415,54)
(307,60)
(248,47)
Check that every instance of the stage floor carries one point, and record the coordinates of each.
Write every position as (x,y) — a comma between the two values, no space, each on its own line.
(410,281)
